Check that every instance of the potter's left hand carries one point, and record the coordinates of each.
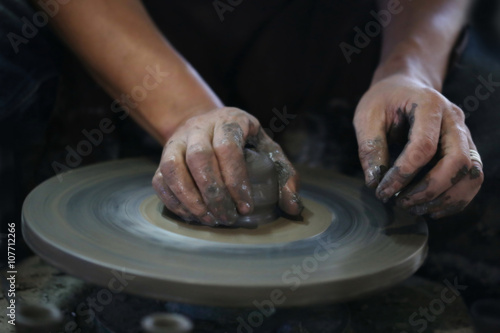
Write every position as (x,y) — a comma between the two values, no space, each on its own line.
(436,126)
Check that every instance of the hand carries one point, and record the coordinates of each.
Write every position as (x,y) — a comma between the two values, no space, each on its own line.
(436,126)
(202,174)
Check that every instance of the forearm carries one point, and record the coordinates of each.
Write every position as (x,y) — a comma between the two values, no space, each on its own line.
(418,41)
(117,41)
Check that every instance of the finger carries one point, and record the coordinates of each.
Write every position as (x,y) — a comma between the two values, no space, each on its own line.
(453,166)
(169,199)
(288,178)
(425,126)
(456,198)
(178,179)
(229,140)
(372,146)
(205,171)
(474,178)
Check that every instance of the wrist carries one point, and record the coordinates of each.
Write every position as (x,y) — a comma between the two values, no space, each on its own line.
(177,97)
(408,59)
(169,124)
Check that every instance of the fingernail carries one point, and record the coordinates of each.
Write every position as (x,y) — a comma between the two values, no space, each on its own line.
(244,207)
(208,219)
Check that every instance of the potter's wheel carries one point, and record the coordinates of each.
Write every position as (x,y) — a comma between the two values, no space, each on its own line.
(105,220)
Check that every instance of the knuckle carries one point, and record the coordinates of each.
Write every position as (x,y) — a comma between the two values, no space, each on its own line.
(433,96)
(434,116)
(235,111)
(226,147)
(174,206)
(425,145)
(198,148)
(459,114)
(197,153)
(420,152)
(169,168)
(232,128)
(252,123)
(157,180)
(462,130)
(191,122)
(367,149)
(462,159)
(171,201)
(228,111)
(199,211)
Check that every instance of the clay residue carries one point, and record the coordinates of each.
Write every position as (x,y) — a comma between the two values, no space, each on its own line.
(373,152)
(460,174)
(394,175)
(233,132)
(283,171)
(474,172)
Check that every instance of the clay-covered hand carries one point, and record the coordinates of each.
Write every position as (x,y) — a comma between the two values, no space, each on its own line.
(436,126)
(202,174)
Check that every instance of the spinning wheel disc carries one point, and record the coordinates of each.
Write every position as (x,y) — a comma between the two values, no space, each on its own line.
(105,219)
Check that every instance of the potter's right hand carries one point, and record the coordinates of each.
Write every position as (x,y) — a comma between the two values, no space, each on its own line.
(202,175)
